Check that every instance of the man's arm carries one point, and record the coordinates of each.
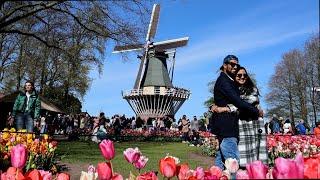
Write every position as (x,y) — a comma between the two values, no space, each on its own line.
(37,108)
(15,106)
(231,94)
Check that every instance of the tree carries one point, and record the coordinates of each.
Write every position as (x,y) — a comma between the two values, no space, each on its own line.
(292,86)
(56,44)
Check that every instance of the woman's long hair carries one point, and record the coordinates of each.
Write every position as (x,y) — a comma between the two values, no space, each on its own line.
(248,87)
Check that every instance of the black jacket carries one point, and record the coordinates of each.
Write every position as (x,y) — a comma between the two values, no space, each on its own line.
(227,92)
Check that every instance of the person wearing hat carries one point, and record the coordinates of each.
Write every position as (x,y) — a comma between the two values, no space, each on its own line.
(225,125)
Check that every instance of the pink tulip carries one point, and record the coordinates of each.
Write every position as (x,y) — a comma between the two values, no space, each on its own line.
(107,149)
(215,170)
(91,169)
(63,176)
(132,155)
(104,171)
(241,174)
(46,175)
(257,170)
(199,173)
(288,168)
(141,163)
(182,171)
(117,176)
(7,176)
(18,156)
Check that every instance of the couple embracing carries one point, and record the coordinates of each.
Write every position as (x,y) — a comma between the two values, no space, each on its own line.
(237,118)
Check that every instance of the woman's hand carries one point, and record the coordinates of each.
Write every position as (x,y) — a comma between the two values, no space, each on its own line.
(218,109)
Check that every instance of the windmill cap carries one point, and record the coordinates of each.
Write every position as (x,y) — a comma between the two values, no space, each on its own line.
(228,58)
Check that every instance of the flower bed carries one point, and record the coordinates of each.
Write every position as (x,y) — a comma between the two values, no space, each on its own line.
(288,146)
(169,167)
(40,154)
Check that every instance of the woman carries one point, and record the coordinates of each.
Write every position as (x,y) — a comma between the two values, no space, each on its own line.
(287,129)
(252,144)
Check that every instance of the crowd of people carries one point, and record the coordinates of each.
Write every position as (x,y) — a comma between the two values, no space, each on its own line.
(277,125)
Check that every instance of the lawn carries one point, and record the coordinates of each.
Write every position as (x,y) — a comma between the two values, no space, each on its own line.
(89,153)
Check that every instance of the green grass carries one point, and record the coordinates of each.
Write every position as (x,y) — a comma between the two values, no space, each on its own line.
(89,153)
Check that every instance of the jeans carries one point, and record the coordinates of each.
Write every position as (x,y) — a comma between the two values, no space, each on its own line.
(229,149)
(24,121)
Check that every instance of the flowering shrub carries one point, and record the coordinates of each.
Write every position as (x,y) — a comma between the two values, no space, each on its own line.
(210,146)
(288,146)
(40,154)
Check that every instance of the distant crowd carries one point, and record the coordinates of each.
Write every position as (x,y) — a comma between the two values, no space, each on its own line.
(84,124)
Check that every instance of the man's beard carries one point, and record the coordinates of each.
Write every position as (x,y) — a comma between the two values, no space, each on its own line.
(232,75)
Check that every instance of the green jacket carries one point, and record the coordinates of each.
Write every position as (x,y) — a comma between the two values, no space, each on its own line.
(34,105)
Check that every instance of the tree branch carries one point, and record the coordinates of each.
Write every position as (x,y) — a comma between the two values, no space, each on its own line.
(18,18)
(15,31)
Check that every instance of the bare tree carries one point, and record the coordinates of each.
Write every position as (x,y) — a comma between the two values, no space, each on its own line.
(292,85)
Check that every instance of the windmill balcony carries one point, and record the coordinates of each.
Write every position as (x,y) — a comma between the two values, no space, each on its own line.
(174,91)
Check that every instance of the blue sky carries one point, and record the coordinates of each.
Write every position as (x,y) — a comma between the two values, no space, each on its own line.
(257,31)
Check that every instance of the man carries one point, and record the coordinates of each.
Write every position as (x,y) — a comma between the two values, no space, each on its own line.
(225,125)
(26,108)
(301,127)
(275,124)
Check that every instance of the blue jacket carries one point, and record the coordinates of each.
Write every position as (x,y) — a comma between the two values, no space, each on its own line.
(227,92)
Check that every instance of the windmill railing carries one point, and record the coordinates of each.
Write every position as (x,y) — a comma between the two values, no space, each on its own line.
(175,92)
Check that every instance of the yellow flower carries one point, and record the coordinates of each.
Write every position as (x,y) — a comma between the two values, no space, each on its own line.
(6,136)
(45,136)
(29,136)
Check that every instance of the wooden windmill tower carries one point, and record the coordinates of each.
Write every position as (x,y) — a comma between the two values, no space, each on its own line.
(153,94)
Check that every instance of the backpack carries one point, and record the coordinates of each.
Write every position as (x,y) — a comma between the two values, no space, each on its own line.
(275,127)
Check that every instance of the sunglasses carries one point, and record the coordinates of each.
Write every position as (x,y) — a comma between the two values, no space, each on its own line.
(232,64)
(242,75)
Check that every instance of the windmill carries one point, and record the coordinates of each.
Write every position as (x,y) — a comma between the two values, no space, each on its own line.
(153,94)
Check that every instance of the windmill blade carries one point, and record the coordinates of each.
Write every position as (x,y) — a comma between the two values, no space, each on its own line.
(153,22)
(171,44)
(125,48)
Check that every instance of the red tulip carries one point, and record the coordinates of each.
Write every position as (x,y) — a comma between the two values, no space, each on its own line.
(33,175)
(63,176)
(147,176)
(257,170)
(312,168)
(141,163)
(104,171)
(107,149)
(18,156)
(209,176)
(132,155)
(168,167)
